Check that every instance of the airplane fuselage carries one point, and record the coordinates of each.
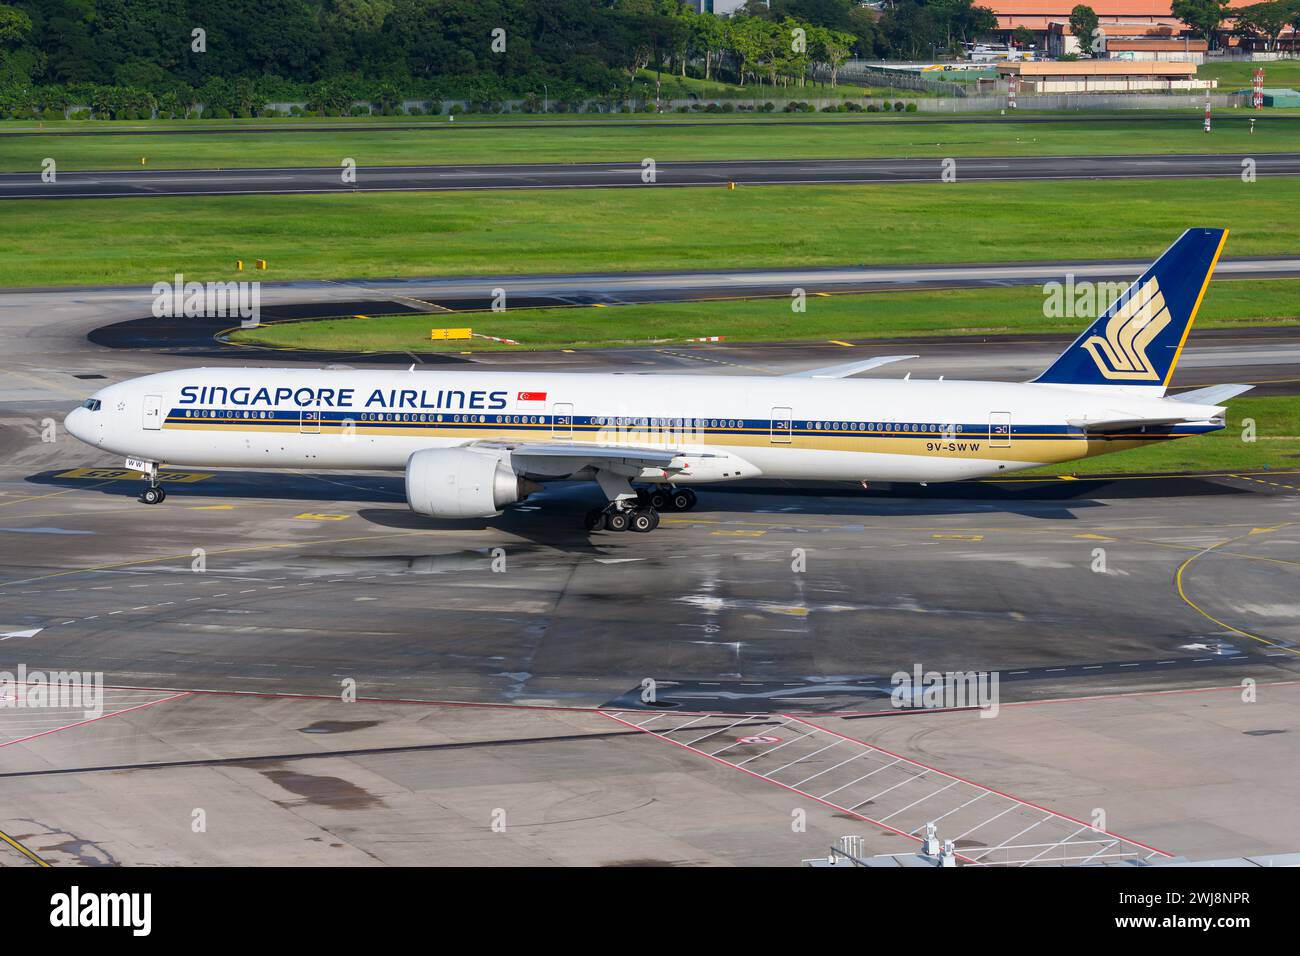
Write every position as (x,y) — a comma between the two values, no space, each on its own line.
(748,426)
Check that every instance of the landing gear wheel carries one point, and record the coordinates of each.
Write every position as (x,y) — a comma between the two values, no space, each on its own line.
(153,496)
(643,520)
(683,499)
(594,520)
(617,520)
(659,500)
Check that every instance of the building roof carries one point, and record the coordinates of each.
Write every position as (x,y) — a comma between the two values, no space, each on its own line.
(1058,9)
(1111,26)
(1100,68)
(1191,44)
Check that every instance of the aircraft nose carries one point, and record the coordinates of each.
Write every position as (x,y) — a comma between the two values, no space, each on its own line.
(76,424)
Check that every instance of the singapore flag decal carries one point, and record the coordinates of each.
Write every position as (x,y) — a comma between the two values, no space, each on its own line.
(532,396)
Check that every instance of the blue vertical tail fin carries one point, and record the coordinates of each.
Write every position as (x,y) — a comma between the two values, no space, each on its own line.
(1137,340)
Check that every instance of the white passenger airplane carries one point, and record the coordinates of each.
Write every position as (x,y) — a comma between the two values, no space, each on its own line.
(472,443)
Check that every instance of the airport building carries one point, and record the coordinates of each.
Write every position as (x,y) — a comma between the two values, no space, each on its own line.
(1126,21)
(1104,76)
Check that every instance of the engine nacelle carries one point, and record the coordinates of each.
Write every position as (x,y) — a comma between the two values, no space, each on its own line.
(460,483)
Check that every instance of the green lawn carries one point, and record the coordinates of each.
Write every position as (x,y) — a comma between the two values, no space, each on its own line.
(880,315)
(1276,445)
(475,141)
(677,88)
(1240,75)
(501,233)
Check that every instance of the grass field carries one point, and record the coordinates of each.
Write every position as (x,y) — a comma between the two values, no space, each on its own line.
(475,141)
(675,87)
(1239,75)
(502,233)
(879,315)
(1276,445)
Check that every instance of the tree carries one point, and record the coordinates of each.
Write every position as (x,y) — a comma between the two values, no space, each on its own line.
(831,48)
(15,26)
(976,22)
(1022,36)
(1266,20)
(708,36)
(863,24)
(1203,17)
(1083,24)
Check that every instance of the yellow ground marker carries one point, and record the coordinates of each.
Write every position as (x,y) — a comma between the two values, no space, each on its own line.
(792,611)
(847,345)
(312,516)
(1178,582)
(22,849)
(122,474)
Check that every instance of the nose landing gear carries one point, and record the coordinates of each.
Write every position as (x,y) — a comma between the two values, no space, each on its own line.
(154,494)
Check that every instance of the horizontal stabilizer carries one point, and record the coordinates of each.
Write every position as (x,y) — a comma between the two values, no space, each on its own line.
(1213,395)
(1124,424)
(850,368)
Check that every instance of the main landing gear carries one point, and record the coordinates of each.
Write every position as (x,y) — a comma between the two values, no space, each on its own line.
(154,494)
(641,513)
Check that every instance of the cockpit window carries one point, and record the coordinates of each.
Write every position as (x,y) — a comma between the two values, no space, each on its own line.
(91,403)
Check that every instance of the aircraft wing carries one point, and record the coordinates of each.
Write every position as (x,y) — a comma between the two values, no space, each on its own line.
(1212,395)
(849,368)
(560,458)
(658,457)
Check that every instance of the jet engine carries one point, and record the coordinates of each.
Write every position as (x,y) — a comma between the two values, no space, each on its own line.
(462,483)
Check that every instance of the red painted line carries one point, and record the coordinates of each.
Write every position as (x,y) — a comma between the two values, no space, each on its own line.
(1146,693)
(570,709)
(979,786)
(777,783)
(91,720)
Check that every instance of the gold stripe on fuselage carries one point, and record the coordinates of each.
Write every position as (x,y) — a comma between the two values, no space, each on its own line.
(1043,448)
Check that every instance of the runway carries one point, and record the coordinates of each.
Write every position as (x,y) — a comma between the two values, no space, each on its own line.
(290,180)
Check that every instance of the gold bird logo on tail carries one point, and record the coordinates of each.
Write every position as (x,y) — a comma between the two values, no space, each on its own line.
(1122,354)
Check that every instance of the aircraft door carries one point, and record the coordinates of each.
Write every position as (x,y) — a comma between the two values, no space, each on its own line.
(782,426)
(561,420)
(309,423)
(152,412)
(999,429)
